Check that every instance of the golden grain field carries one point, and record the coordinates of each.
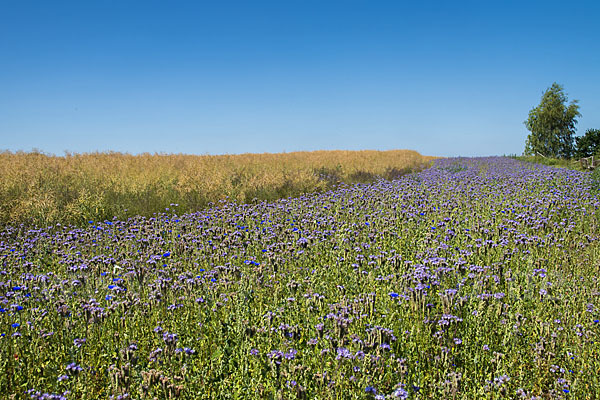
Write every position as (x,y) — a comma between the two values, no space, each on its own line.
(42,189)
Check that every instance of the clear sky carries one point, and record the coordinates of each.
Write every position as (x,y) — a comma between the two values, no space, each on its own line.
(213,77)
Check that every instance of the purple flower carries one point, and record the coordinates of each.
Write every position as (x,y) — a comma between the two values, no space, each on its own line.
(343,352)
(37,395)
(124,396)
(400,393)
(189,351)
(154,354)
(275,355)
(170,338)
(74,368)
(290,355)
(501,380)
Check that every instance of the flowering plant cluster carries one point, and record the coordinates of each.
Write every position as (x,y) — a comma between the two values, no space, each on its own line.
(476,278)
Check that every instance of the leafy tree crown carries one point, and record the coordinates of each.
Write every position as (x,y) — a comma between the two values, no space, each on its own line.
(588,144)
(552,125)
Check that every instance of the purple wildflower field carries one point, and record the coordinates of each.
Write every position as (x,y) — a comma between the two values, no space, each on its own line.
(474,279)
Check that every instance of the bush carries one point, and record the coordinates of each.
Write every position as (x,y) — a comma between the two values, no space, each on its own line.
(588,144)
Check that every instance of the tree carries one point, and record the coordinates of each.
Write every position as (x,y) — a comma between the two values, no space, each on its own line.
(588,144)
(552,125)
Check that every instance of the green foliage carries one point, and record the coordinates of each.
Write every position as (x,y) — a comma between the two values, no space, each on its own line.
(552,125)
(596,180)
(551,162)
(588,144)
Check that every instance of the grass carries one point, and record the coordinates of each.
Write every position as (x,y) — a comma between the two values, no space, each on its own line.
(474,279)
(551,162)
(39,189)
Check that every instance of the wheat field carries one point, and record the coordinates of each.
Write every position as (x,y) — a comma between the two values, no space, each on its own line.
(75,188)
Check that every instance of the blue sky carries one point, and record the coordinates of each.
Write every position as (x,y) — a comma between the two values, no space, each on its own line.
(443,78)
